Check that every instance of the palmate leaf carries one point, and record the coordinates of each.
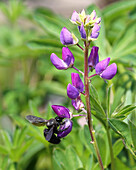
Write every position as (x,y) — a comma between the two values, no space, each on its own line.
(124,112)
(122,129)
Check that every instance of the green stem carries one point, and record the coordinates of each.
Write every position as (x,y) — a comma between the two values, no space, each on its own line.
(111,150)
(88,107)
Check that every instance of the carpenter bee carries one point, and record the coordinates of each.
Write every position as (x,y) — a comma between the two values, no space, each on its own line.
(52,127)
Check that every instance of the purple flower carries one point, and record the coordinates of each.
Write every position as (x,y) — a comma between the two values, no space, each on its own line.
(77,86)
(67,38)
(82,31)
(77,103)
(66,62)
(105,71)
(74,90)
(94,57)
(61,111)
(65,128)
(95,31)
(75,17)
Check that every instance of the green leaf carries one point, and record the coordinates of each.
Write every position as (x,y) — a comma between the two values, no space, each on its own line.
(16,136)
(117,98)
(133,133)
(112,11)
(4,163)
(22,136)
(87,141)
(124,111)
(27,144)
(47,45)
(6,139)
(117,148)
(120,165)
(52,25)
(89,163)
(102,147)
(73,158)
(94,92)
(33,108)
(3,150)
(97,110)
(59,159)
(121,128)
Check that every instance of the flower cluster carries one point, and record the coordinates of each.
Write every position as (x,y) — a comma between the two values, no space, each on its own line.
(89,27)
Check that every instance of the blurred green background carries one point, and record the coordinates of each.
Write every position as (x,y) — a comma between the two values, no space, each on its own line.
(29,84)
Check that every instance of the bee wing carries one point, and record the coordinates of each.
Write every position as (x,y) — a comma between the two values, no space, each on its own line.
(37,121)
(49,134)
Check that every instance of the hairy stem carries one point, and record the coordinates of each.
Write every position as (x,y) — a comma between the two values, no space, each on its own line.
(88,107)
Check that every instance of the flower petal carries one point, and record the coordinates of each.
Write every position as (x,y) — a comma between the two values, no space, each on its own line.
(82,31)
(94,57)
(102,65)
(57,62)
(77,103)
(75,17)
(77,82)
(93,15)
(67,56)
(61,111)
(110,72)
(95,31)
(65,128)
(66,37)
(72,92)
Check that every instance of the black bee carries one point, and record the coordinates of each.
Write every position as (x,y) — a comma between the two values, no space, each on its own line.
(52,127)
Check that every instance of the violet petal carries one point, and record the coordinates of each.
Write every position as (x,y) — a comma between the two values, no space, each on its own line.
(66,37)
(67,56)
(77,82)
(61,111)
(77,103)
(57,62)
(82,31)
(109,72)
(72,92)
(75,16)
(101,66)
(95,31)
(94,57)
(65,128)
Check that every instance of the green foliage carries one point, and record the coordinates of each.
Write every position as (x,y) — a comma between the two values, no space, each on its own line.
(30,83)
